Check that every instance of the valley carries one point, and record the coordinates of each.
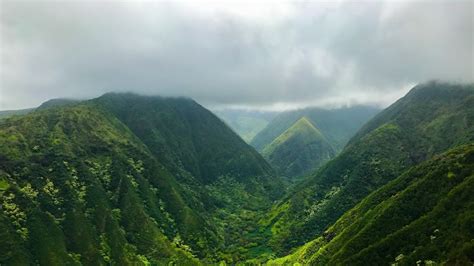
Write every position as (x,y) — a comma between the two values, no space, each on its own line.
(146,180)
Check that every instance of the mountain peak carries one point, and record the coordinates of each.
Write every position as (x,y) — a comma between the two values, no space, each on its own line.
(298,150)
(57,102)
(304,122)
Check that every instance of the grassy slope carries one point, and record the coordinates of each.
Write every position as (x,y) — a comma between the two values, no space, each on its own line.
(298,150)
(424,215)
(338,125)
(430,119)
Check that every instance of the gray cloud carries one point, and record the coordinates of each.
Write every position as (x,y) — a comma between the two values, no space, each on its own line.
(236,54)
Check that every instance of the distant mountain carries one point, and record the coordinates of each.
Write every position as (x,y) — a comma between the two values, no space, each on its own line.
(138,180)
(246,123)
(126,179)
(10,113)
(337,125)
(423,217)
(299,150)
(57,102)
(430,119)
(49,103)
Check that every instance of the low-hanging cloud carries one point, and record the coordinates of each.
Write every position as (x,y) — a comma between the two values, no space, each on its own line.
(232,54)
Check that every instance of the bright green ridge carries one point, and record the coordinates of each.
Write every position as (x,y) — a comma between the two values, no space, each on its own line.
(430,119)
(425,216)
(337,125)
(303,127)
(300,149)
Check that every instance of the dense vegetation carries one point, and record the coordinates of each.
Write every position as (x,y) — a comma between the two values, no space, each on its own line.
(125,179)
(425,216)
(430,119)
(300,149)
(134,180)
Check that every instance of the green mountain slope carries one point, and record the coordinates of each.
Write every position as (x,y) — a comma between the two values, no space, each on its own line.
(246,123)
(424,216)
(338,125)
(126,179)
(299,150)
(429,119)
(185,135)
(78,187)
(57,102)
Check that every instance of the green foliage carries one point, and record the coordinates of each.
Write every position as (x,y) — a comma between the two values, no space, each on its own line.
(131,180)
(117,179)
(3,184)
(421,216)
(410,131)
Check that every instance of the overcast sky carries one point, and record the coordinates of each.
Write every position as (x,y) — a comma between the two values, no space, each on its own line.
(224,53)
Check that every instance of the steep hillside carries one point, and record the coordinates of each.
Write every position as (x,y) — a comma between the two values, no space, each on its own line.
(299,150)
(424,216)
(246,123)
(184,134)
(79,186)
(127,179)
(429,119)
(338,125)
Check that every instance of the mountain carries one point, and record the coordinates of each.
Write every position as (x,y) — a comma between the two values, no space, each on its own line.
(424,216)
(144,180)
(246,123)
(57,102)
(299,150)
(9,113)
(183,134)
(430,119)
(49,103)
(127,179)
(338,125)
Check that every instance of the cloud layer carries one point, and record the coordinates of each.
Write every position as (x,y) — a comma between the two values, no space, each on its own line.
(232,53)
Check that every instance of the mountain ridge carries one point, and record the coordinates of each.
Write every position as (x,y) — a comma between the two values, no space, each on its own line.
(121,160)
(338,125)
(139,180)
(439,119)
(422,216)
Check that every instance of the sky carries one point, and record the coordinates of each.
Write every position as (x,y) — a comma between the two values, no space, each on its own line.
(232,54)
